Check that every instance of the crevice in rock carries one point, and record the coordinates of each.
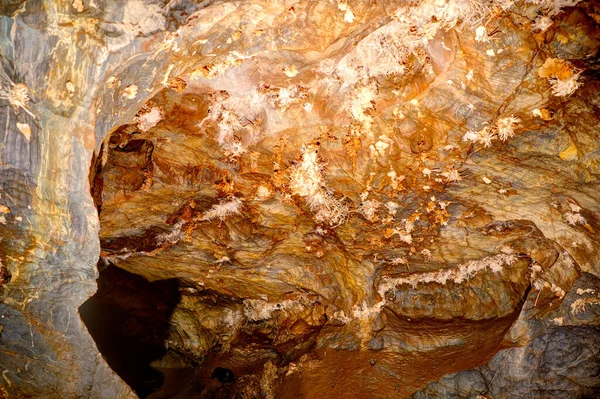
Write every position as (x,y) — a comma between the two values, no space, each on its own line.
(128,317)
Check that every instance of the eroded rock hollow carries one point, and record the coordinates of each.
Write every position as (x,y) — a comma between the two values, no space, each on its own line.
(299,199)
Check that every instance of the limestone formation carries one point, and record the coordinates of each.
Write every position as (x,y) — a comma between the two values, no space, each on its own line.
(299,199)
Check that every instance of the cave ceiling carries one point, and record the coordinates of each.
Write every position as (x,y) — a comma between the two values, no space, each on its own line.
(350,198)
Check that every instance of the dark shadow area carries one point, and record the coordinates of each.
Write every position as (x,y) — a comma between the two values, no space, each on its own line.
(128,317)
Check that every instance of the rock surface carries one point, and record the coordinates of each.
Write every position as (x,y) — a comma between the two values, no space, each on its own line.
(563,361)
(318,199)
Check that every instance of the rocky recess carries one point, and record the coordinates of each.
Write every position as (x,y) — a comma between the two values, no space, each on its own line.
(299,199)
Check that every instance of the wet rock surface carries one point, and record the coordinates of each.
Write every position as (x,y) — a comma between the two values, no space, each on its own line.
(299,199)
(561,362)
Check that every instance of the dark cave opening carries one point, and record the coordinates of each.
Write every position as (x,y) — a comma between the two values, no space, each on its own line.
(128,318)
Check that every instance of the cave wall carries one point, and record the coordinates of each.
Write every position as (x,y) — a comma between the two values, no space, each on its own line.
(54,56)
(357,198)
